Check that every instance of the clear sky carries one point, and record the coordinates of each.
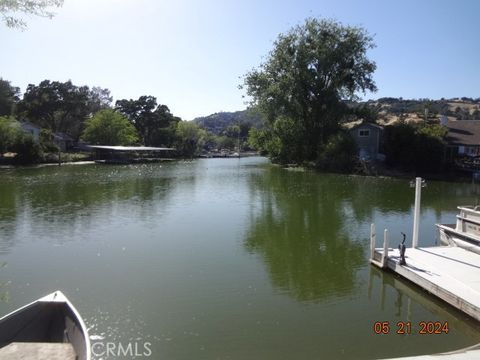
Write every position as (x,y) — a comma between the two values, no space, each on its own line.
(191,54)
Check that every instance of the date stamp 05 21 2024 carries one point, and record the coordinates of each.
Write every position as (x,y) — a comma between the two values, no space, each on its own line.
(408,327)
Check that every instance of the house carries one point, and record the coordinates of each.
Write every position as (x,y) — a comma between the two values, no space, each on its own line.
(463,144)
(31,129)
(463,137)
(368,138)
(63,141)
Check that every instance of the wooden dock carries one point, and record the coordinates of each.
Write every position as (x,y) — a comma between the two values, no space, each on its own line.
(470,353)
(450,273)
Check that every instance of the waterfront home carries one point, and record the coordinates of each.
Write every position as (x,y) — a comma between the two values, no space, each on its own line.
(63,141)
(368,138)
(31,129)
(463,137)
(463,143)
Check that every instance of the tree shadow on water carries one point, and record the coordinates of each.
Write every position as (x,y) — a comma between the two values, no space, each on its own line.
(298,227)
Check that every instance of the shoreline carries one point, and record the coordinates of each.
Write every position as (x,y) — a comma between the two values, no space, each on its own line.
(380,172)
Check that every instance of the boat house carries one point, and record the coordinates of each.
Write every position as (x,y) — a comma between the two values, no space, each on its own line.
(131,154)
(368,138)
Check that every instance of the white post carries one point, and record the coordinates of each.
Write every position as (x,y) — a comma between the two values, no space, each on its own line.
(416,215)
(373,237)
(385,248)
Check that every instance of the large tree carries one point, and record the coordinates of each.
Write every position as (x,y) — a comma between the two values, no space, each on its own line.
(99,99)
(9,95)
(10,132)
(190,138)
(109,127)
(155,123)
(10,10)
(305,80)
(61,106)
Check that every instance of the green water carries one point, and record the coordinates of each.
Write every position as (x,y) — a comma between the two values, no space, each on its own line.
(224,258)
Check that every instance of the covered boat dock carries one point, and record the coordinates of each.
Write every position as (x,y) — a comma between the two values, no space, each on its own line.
(131,154)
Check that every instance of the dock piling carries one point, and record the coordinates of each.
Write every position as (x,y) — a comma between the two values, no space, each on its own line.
(419,183)
(385,248)
(376,258)
(373,236)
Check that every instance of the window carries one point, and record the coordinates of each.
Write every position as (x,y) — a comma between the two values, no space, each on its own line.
(364,133)
(472,150)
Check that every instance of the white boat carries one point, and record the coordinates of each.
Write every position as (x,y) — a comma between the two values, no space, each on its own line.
(48,328)
(465,233)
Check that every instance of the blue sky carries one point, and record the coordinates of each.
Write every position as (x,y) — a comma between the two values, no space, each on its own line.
(191,54)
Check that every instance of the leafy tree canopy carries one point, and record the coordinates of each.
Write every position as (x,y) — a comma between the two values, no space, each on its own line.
(154,123)
(61,106)
(190,138)
(9,10)
(9,133)
(14,139)
(307,76)
(109,127)
(9,95)
(419,148)
(99,99)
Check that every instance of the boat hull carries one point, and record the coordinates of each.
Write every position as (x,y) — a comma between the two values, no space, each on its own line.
(49,320)
(449,236)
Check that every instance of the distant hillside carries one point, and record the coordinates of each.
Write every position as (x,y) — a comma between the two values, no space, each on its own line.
(218,122)
(385,111)
(390,110)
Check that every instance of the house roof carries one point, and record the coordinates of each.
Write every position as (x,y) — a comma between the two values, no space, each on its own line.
(62,136)
(463,132)
(28,124)
(367,124)
(131,148)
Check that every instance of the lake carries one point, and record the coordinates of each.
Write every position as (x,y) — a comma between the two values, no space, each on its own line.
(224,258)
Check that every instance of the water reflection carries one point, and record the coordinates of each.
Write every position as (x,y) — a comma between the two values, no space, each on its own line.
(312,229)
(408,302)
(68,200)
(299,231)
(160,254)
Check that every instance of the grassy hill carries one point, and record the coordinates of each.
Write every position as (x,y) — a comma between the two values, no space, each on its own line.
(219,122)
(390,110)
(386,111)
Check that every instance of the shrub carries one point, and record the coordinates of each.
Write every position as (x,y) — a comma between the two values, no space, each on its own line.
(339,154)
(28,150)
(9,133)
(419,148)
(108,127)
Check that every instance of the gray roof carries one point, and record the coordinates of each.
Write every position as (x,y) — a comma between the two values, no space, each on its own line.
(367,124)
(62,136)
(131,148)
(29,124)
(463,132)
